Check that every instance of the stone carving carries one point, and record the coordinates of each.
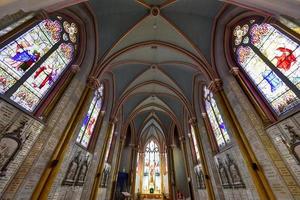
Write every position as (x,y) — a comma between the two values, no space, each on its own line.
(82,172)
(223,174)
(72,170)
(105,175)
(234,173)
(293,144)
(10,143)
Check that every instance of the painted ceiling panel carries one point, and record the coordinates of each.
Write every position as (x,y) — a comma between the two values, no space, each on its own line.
(154,2)
(198,29)
(154,28)
(153,109)
(153,74)
(152,88)
(139,119)
(154,54)
(207,8)
(165,119)
(153,100)
(152,122)
(131,71)
(115,18)
(174,104)
(183,76)
(132,102)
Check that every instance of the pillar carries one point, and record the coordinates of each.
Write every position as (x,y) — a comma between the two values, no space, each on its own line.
(208,184)
(48,177)
(262,186)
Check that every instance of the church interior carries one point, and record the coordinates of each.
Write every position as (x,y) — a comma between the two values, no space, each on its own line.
(150,99)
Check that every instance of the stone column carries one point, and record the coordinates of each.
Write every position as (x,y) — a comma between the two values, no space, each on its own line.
(133,169)
(48,177)
(262,186)
(98,174)
(172,180)
(116,168)
(183,148)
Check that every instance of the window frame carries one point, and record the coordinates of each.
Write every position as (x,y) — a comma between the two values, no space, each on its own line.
(63,79)
(260,102)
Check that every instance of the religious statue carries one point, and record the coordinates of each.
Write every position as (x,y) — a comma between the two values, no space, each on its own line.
(105,175)
(72,170)
(223,174)
(234,173)
(82,172)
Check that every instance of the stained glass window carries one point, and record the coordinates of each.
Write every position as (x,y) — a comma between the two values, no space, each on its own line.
(195,143)
(215,119)
(152,175)
(90,119)
(31,63)
(272,62)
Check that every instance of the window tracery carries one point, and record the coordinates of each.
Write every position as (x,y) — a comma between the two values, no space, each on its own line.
(270,59)
(216,121)
(90,119)
(32,62)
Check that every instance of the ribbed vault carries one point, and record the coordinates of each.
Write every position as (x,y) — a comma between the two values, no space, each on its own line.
(154,58)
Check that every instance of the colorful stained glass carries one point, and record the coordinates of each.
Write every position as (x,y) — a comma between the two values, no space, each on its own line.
(25,98)
(152,175)
(6,81)
(195,143)
(40,82)
(215,119)
(71,29)
(20,55)
(89,121)
(283,52)
(239,32)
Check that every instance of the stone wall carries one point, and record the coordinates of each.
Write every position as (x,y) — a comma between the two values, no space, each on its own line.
(15,125)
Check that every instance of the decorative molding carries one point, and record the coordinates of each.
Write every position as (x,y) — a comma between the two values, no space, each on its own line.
(215,85)
(93,82)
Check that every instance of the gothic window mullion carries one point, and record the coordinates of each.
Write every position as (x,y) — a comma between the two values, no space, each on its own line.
(276,70)
(14,88)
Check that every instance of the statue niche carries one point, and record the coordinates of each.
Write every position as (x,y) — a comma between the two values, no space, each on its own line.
(72,170)
(10,144)
(82,172)
(223,175)
(234,172)
(105,175)
(200,177)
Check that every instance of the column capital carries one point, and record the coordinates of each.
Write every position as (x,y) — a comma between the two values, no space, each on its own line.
(235,71)
(93,82)
(113,120)
(193,121)
(215,85)
(75,68)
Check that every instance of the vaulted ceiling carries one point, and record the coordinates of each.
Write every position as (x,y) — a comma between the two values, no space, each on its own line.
(155,49)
